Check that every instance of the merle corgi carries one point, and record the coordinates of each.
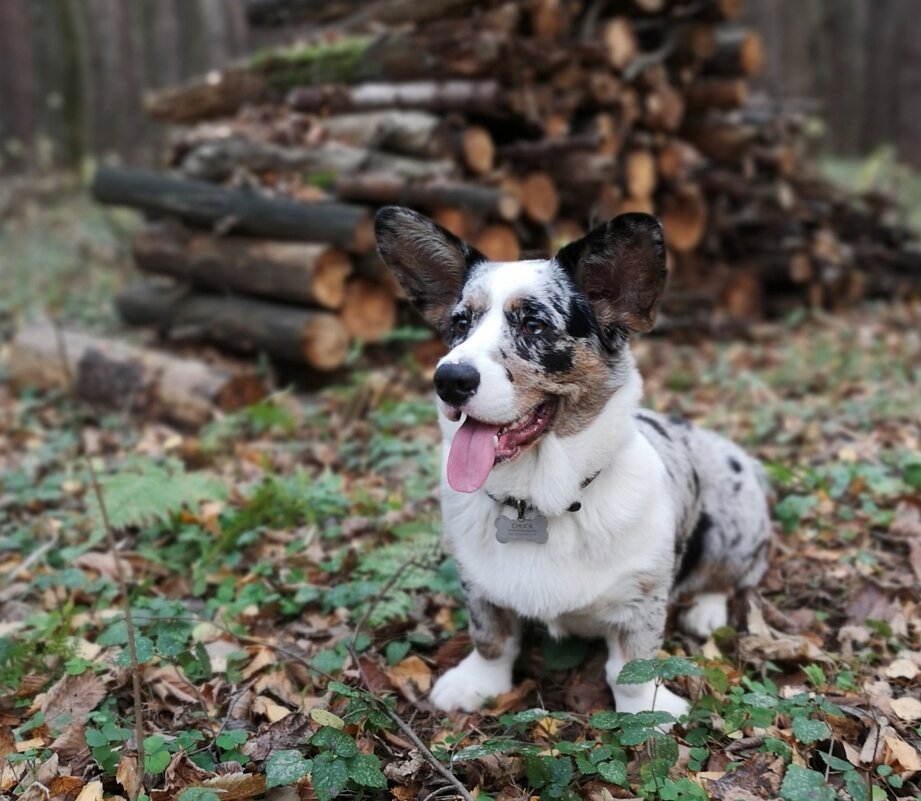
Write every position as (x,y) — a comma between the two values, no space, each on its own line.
(563,500)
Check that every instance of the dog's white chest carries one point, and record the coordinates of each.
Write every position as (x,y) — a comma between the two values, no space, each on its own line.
(591,557)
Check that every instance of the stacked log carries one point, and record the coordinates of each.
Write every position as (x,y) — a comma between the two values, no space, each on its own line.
(517,125)
(115,375)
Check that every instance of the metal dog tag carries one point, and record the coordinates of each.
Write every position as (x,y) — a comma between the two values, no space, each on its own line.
(529,530)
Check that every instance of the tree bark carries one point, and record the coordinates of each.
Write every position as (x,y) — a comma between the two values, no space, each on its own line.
(315,338)
(461,96)
(218,159)
(112,373)
(409,133)
(429,195)
(294,272)
(236,210)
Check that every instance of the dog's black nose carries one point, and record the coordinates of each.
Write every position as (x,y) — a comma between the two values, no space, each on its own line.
(456,383)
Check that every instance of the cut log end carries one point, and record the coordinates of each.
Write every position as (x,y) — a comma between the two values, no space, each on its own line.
(539,197)
(458,221)
(619,42)
(640,176)
(684,218)
(369,312)
(325,342)
(479,150)
(499,243)
(332,269)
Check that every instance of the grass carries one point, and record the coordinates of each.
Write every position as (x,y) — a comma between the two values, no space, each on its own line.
(880,172)
(63,255)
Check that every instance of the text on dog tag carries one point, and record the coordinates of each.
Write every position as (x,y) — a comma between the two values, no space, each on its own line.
(530,530)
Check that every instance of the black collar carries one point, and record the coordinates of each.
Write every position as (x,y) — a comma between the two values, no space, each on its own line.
(522,506)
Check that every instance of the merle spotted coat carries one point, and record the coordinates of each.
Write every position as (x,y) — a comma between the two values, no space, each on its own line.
(641,509)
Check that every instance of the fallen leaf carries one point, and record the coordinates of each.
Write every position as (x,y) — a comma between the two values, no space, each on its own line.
(906,756)
(71,700)
(91,792)
(64,786)
(326,718)
(263,658)
(289,732)
(901,669)
(183,772)
(411,677)
(906,708)
(763,642)
(167,683)
(755,779)
(907,521)
(127,775)
(70,742)
(273,711)
(11,773)
(7,741)
(452,651)
(236,786)
(403,771)
(513,698)
(283,794)
(103,564)
(376,680)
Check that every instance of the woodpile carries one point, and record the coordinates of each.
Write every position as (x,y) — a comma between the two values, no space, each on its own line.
(517,125)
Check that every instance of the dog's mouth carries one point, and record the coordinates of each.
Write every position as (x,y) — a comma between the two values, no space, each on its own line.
(479,446)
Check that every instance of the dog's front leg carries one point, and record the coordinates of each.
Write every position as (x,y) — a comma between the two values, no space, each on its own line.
(487,671)
(640,639)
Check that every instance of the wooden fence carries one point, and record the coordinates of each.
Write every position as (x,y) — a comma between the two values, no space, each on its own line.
(73,72)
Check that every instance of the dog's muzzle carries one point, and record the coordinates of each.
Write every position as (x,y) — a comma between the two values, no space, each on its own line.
(456,383)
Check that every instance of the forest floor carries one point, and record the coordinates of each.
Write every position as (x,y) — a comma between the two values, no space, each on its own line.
(291,605)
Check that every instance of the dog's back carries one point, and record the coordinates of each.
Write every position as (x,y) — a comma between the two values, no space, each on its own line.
(723,521)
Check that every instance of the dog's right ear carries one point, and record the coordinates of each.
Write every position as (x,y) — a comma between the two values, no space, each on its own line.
(428,261)
(621,268)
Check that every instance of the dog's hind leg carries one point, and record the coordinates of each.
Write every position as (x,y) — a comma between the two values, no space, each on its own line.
(487,671)
(641,641)
(707,612)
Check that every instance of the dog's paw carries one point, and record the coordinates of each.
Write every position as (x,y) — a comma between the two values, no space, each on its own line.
(707,612)
(469,685)
(646,698)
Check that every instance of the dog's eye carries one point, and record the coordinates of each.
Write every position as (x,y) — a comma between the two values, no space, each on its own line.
(533,326)
(461,324)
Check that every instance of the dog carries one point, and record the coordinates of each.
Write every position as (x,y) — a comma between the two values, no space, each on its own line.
(563,500)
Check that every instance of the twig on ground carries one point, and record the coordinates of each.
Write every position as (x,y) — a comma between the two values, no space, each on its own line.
(119,573)
(31,559)
(129,622)
(438,791)
(401,724)
(404,727)
(378,596)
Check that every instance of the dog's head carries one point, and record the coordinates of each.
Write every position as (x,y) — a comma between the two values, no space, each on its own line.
(535,346)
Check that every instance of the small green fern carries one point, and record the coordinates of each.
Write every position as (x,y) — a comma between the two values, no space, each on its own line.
(144,491)
(416,556)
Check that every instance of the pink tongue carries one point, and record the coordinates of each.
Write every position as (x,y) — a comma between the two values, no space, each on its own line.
(472,455)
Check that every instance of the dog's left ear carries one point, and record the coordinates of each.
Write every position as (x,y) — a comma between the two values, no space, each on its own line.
(620,266)
(428,261)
